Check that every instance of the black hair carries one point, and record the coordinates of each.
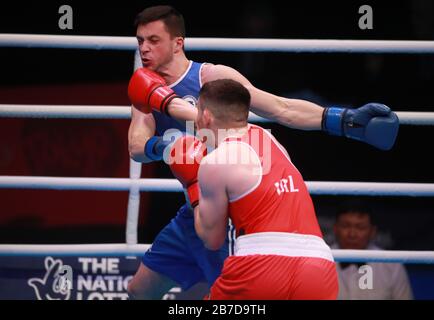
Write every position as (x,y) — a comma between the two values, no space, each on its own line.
(227,99)
(355,206)
(172,18)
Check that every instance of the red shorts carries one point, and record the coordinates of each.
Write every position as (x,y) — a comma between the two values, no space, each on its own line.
(274,277)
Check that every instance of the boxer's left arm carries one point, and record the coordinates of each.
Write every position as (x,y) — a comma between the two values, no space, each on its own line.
(373,123)
(210,216)
(293,113)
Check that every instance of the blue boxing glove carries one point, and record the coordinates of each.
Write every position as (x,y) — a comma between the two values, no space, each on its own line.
(373,123)
(156,146)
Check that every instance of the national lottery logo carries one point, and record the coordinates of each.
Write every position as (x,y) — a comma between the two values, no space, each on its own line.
(56,284)
(96,279)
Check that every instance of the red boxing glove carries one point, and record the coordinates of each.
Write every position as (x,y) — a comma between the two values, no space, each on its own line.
(185,156)
(147,91)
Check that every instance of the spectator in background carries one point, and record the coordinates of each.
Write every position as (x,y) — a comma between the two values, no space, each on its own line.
(355,229)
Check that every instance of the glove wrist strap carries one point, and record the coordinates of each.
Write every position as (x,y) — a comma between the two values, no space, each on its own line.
(154,148)
(166,102)
(332,120)
(160,97)
(193,194)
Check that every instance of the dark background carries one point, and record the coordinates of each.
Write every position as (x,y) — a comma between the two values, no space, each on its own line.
(98,148)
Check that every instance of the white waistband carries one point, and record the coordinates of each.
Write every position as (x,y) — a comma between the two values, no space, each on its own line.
(283,244)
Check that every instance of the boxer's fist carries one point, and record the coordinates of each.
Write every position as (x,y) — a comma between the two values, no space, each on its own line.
(373,123)
(147,91)
(184,161)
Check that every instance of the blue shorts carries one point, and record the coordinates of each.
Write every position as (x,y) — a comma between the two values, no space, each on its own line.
(178,253)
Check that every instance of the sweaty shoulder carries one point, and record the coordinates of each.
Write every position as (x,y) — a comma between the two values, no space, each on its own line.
(237,166)
(211,72)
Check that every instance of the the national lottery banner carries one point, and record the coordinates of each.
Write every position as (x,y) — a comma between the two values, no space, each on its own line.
(57,277)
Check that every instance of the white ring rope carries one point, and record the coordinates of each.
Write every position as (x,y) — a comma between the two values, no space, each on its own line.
(124,112)
(73,249)
(383,256)
(221,44)
(100,184)
(64,111)
(405,118)
(173,185)
(138,250)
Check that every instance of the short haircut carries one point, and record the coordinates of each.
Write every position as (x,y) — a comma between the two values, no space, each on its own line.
(228,100)
(172,19)
(355,206)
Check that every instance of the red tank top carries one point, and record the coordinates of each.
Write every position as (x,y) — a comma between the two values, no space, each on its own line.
(281,201)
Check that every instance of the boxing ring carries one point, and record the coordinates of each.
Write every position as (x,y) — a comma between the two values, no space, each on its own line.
(117,262)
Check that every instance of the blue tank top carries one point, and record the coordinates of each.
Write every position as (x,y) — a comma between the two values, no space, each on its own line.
(187,87)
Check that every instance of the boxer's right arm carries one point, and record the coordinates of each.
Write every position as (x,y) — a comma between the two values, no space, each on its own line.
(142,128)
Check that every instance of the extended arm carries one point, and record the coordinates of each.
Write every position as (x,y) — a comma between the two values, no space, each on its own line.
(294,113)
(373,123)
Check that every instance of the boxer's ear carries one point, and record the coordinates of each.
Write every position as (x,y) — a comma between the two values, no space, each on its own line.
(208,118)
(179,44)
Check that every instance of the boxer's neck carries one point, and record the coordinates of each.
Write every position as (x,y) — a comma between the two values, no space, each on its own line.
(173,71)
